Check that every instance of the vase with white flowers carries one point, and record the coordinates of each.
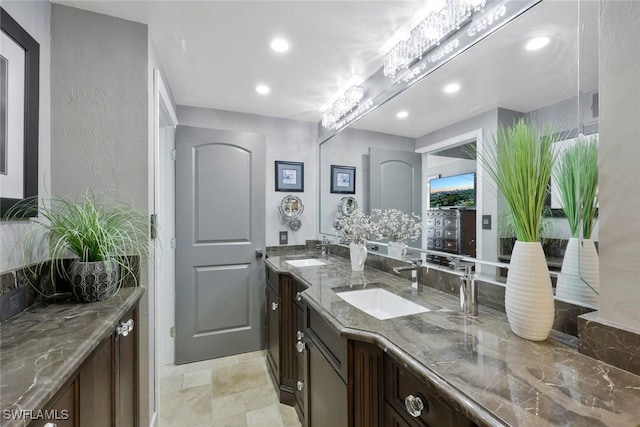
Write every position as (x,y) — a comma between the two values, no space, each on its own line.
(397,227)
(356,229)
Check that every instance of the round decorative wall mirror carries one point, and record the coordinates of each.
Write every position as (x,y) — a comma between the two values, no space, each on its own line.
(347,205)
(290,209)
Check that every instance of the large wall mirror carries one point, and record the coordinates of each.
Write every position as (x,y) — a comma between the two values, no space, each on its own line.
(541,66)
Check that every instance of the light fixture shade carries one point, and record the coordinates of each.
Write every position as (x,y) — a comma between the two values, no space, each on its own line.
(429,33)
(342,106)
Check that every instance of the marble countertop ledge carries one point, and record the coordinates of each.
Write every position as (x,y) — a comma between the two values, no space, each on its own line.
(43,346)
(495,377)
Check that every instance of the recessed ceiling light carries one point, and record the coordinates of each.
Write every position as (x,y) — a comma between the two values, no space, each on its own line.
(402,114)
(263,89)
(280,45)
(537,43)
(451,88)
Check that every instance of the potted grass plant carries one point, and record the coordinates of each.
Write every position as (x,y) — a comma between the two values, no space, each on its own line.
(520,160)
(91,242)
(576,175)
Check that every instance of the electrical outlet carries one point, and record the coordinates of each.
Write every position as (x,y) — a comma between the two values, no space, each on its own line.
(284,237)
(172,332)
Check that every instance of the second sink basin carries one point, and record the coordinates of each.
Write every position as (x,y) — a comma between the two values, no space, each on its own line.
(309,262)
(381,304)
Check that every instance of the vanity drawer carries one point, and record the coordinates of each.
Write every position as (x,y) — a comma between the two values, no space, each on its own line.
(272,277)
(399,383)
(438,232)
(330,343)
(438,222)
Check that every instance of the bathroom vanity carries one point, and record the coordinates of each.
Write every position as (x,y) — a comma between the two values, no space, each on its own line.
(436,368)
(71,364)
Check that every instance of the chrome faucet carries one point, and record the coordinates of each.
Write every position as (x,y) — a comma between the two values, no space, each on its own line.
(468,288)
(325,245)
(415,265)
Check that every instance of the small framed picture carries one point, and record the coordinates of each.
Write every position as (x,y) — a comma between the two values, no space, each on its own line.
(289,176)
(343,179)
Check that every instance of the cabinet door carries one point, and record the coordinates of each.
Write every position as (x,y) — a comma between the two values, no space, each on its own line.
(327,394)
(127,373)
(63,412)
(97,386)
(392,418)
(273,331)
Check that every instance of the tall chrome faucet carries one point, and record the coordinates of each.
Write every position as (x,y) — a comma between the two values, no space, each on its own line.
(325,245)
(415,265)
(468,288)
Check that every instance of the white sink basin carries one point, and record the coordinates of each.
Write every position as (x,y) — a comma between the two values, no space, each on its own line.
(381,304)
(309,262)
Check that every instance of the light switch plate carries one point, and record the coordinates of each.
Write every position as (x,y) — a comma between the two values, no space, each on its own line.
(486,222)
(284,237)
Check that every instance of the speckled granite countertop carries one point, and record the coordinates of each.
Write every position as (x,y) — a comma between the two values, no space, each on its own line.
(496,377)
(43,346)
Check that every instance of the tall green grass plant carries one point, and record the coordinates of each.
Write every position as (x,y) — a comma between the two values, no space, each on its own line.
(520,160)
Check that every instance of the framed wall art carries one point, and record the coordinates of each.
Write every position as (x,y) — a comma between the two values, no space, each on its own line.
(289,176)
(343,179)
(19,99)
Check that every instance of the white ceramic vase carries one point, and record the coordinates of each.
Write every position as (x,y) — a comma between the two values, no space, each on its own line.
(580,265)
(529,297)
(396,250)
(358,254)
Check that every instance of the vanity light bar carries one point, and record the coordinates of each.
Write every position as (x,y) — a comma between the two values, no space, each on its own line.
(342,106)
(437,26)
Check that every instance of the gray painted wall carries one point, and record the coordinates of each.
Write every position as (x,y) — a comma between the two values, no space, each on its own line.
(35,18)
(100,127)
(288,140)
(351,148)
(619,157)
(99,135)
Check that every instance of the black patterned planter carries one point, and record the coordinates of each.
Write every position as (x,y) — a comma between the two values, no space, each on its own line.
(94,281)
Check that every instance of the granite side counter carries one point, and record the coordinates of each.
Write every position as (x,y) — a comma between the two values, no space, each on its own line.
(496,377)
(43,346)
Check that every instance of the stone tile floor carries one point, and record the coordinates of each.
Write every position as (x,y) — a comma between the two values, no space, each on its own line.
(234,391)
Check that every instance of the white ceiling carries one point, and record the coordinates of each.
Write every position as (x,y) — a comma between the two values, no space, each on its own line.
(227,54)
(227,48)
(499,72)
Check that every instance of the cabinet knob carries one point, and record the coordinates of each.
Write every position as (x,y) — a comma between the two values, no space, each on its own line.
(300,346)
(125,328)
(274,306)
(298,296)
(299,385)
(299,335)
(50,425)
(414,405)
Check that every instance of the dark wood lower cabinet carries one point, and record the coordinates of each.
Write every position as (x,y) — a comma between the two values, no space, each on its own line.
(328,394)
(104,390)
(333,381)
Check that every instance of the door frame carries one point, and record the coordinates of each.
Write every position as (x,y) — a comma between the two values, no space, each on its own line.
(465,138)
(162,104)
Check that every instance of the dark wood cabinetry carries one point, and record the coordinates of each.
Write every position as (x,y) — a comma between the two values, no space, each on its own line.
(281,328)
(451,230)
(338,382)
(328,380)
(104,390)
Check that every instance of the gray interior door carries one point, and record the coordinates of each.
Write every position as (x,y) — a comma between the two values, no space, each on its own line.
(395,180)
(220,207)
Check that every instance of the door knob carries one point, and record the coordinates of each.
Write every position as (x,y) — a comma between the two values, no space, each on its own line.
(299,385)
(259,253)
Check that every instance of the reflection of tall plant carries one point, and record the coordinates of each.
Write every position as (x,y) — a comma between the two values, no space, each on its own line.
(576,174)
(520,161)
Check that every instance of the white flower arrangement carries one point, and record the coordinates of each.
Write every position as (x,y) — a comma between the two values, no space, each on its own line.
(356,227)
(397,226)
